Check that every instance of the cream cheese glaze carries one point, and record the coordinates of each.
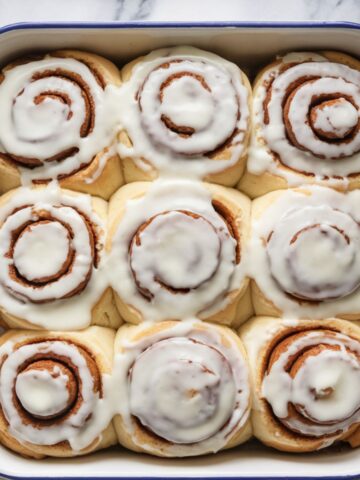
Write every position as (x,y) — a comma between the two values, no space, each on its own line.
(202,105)
(304,252)
(322,388)
(308,149)
(51,258)
(44,111)
(183,263)
(195,382)
(80,428)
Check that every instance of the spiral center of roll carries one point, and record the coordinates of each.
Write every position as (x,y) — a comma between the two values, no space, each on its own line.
(46,389)
(323,386)
(334,119)
(41,252)
(39,118)
(187,104)
(320,253)
(319,261)
(168,251)
(194,390)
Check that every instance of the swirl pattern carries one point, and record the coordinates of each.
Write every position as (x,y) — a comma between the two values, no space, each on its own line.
(177,254)
(201,398)
(71,240)
(307,260)
(191,108)
(306,122)
(55,115)
(50,256)
(316,371)
(51,389)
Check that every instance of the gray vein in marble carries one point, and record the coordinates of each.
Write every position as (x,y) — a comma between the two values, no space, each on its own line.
(178,10)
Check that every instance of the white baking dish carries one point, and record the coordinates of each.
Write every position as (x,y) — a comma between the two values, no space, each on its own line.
(249,45)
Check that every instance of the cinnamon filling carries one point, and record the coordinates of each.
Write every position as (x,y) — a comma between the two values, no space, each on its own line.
(43,218)
(295,362)
(186,131)
(89,119)
(318,106)
(326,122)
(56,366)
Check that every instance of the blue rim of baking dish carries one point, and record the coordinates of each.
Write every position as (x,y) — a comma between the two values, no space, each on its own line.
(149,25)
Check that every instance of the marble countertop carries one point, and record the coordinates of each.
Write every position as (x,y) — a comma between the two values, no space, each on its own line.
(12,11)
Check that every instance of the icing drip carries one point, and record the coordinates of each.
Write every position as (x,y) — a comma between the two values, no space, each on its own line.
(55,117)
(304,249)
(174,254)
(196,384)
(306,117)
(310,382)
(179,106)
(50,392)
(50,263)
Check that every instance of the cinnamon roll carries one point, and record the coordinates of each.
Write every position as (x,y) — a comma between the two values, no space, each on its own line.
(183,388)
(305,377)
(51,267)
(184,112)
(57,121)
(53,396)
(176,249)
(306,119)
(305,253)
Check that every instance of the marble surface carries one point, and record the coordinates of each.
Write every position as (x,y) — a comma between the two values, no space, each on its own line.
(12,11)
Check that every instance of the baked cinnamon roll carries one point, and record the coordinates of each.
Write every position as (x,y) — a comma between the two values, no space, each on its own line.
(305,377)
(305,258)
(51,267)
(185,112)
(177,249)
(58,122)
(183,388)
(306,119)
(53,400)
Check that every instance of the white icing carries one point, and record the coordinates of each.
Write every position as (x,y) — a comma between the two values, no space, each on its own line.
(323,387)
(312,253)
(186,102)
(81,427)
(210,109)
(194,393)
(38,243)
(338,118)
(42,393)
(333,78)
(195,409)
(41,129)
(176,250)
(41,257)
(175,260)
(298,113)
(297,57)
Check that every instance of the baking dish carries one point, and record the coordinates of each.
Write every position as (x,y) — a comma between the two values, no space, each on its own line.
(249,45)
